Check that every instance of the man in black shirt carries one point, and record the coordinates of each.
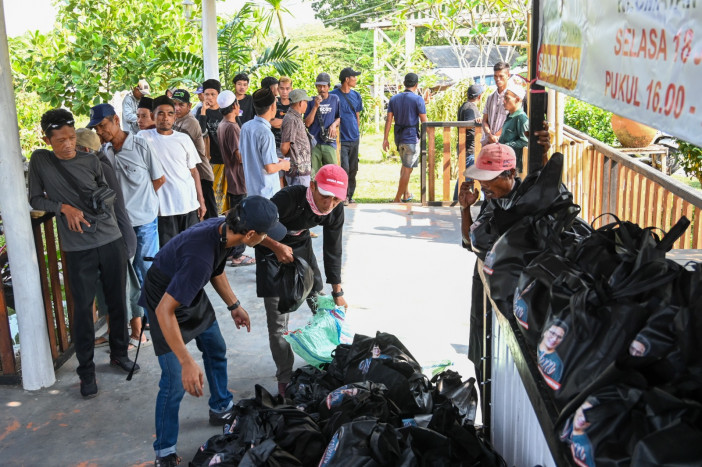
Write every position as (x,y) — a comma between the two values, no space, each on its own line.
(209,118)
(469,112)
(301,208)
(241,85)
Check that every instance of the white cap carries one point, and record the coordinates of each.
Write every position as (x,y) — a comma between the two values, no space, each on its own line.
(516,88)
(225,99)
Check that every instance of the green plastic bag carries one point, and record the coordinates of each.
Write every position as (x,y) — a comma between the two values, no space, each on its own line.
(316,341)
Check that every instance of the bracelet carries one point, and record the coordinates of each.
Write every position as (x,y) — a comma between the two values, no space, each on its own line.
(234,306)
(338,294)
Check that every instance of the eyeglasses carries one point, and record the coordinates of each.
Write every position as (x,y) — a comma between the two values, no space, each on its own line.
(59,124)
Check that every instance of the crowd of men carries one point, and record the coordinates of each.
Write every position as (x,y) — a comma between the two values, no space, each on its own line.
(139,200)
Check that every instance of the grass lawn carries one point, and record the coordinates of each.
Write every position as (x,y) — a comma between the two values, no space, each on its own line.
(376,181)
(689,181)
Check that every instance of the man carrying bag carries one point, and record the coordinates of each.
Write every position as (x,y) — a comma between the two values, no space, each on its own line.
(301,208)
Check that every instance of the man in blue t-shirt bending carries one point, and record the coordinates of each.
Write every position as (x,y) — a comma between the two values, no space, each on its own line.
(408,110)
(180,311)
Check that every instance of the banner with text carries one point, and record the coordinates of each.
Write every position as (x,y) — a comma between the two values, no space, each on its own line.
(641,59)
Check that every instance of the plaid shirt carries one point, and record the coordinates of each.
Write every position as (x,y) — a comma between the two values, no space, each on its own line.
(293,131)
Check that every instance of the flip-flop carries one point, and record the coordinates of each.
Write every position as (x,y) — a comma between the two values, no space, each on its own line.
(244,260)
(134,343)
(407,200)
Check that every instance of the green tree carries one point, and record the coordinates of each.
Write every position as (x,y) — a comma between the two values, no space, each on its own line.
(237,41)
(100,48)
(350,14)
(277,9)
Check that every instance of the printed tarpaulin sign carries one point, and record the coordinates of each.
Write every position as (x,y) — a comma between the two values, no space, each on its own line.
(641,59)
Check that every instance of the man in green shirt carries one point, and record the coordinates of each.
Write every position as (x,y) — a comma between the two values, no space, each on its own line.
(517,122)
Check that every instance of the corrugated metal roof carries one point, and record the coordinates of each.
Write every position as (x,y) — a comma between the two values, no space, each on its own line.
(444,56)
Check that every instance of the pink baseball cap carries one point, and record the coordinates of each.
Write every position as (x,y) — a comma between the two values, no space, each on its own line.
(332,180)
(493,159)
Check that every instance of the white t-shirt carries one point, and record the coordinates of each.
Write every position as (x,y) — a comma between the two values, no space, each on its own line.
(178,155)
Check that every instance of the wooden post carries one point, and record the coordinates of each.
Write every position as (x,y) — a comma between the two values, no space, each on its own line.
(37,365)
(537,107)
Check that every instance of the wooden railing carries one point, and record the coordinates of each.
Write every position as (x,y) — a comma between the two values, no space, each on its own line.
(54,286)
(428,159)
(604,180)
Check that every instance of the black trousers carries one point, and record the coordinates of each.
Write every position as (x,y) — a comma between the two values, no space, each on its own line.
(349,162)
(210,202)
(82,267)
(170,226)
(238,250)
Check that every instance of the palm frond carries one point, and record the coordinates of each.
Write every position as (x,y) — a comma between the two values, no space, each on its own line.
(279,56)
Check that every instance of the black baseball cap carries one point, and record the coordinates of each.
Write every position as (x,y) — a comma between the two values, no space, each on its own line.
(260,214)
(347,73)
(181,95)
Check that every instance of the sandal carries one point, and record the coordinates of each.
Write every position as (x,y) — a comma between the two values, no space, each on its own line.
(408,199)
(134,343)
(243,260)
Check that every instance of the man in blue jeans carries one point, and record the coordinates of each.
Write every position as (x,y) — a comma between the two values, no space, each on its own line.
(140,175)
(180,311)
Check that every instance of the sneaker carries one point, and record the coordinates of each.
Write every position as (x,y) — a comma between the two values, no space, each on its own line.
(222,418)
(124,363)
(88,387)
(170,460)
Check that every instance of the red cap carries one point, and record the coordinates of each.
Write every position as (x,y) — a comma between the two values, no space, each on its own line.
(493,159)
(332,179)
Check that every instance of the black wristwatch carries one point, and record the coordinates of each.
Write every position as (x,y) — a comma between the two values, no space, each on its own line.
(338,294)
(234,306)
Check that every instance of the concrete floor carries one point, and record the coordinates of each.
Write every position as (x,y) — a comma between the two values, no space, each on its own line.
(404,273)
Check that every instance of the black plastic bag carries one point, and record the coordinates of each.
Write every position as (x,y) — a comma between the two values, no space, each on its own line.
(620,420)
(269,454)
(261,419)
(352,401)
(430,448)
(368,443)
(467,447)
(295,281)
(518,246)
(532,296)
(225,447)
(336,370)
(307,388)
(461,394)
(384,359)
